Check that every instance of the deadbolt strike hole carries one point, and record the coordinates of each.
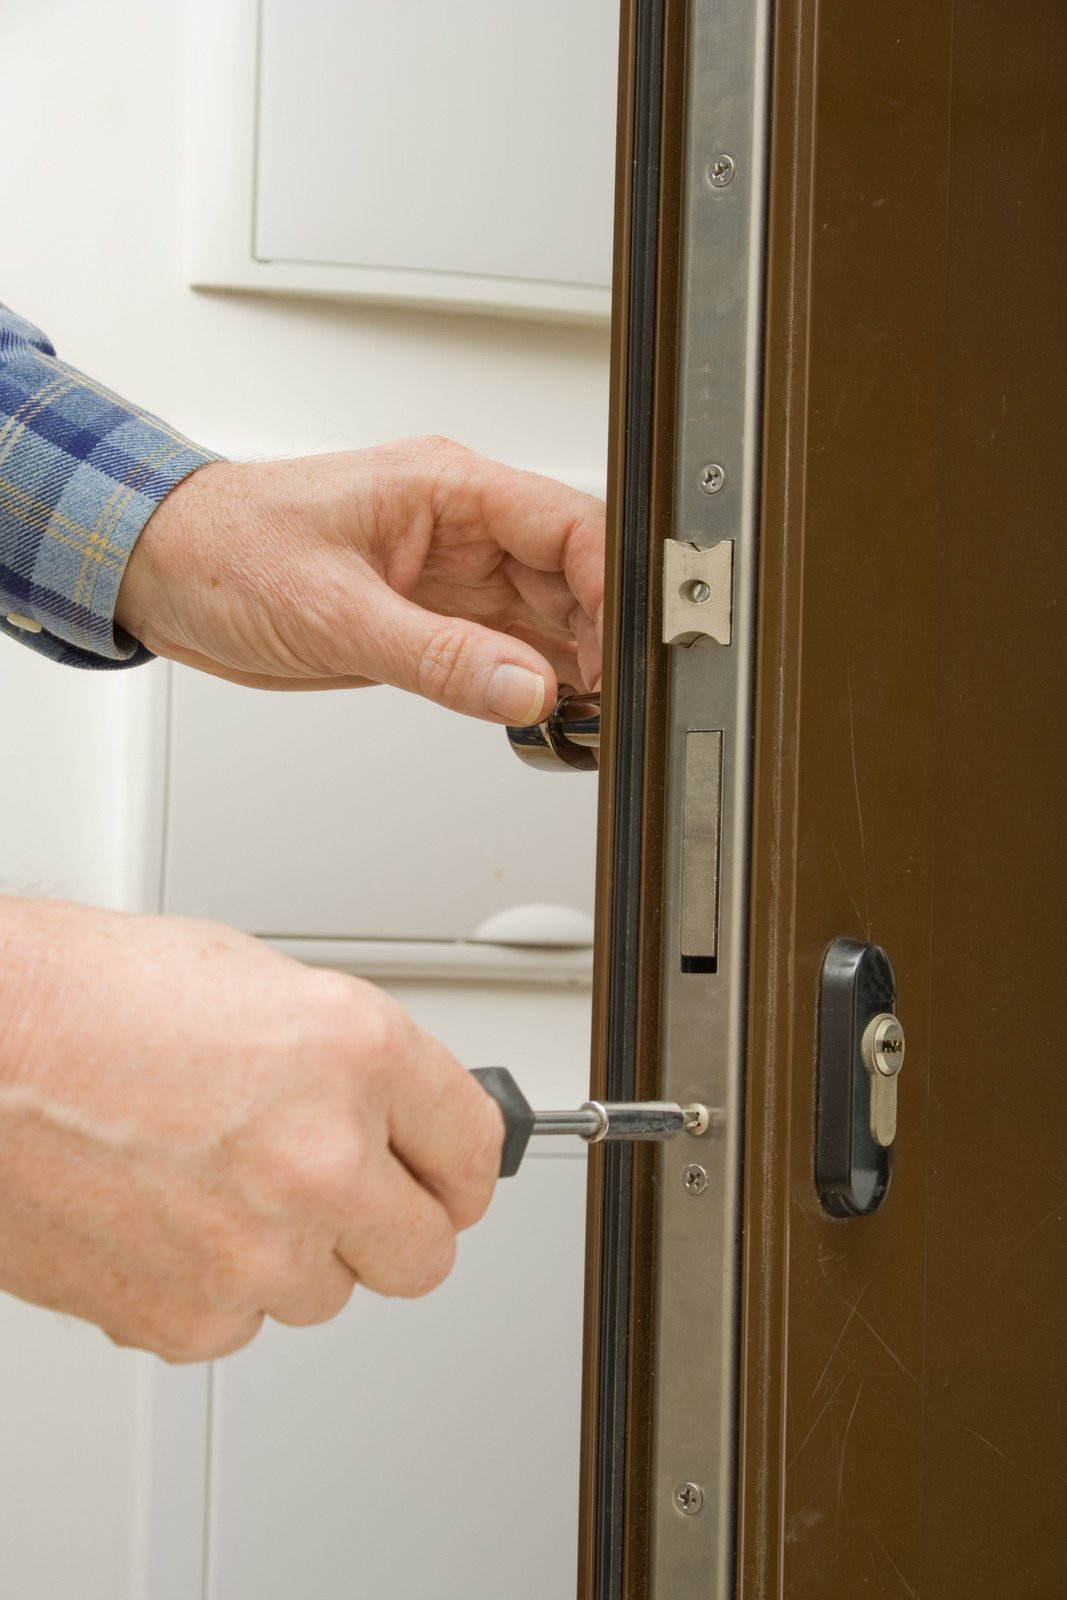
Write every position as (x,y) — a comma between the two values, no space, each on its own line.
(698,928)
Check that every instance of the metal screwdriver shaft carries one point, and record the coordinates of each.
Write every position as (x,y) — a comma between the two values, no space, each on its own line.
(623,1119)
(594,1121)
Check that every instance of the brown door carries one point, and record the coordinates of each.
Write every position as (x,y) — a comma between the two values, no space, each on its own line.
(840,352)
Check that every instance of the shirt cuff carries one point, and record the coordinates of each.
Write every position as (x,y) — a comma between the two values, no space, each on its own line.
(81,472)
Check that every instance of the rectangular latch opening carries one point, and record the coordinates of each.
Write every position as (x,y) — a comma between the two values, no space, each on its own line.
(701,831)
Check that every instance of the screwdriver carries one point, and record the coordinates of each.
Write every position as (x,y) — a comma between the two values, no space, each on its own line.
(594,1121)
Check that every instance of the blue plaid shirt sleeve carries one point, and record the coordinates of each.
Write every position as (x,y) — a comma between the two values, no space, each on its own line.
(81,472)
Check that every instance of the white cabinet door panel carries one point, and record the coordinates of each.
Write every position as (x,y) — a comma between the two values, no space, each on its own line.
(416,1448)
(475,137)
(362,814)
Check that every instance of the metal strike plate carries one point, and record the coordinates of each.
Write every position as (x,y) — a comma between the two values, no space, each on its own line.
(861,1051)
(698,592)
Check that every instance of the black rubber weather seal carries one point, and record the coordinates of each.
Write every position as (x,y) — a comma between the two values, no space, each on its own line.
(629,777)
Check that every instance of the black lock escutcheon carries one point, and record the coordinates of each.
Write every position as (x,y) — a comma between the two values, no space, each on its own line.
(861,1051)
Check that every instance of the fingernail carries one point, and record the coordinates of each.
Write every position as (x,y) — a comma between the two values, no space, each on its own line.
(516,694)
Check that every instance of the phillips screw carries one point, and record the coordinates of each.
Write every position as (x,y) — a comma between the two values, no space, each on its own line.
(694,1178)
(721,171)
(688,1498)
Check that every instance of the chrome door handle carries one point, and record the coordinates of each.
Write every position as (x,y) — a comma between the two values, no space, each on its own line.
(569,737)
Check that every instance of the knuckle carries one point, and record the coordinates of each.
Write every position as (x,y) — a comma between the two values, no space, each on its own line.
(356,1019)
(438,449)
(431,1268)
(181,1335)
(339,1165)
(445,661)
(479,1164)
(382,1026)
(319,1169)
(331,999)
(157,1328)
(179,1338)
(207,1336)
(123,1339)
(333,1300)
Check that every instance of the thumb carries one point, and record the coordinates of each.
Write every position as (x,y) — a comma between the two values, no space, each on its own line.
(459,664)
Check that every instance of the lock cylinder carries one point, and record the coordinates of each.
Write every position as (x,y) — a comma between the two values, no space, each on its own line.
(861,1052)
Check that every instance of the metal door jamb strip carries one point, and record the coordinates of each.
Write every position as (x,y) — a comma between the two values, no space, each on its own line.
(721,312)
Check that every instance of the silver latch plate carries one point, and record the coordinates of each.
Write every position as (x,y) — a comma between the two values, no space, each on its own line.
(698,592)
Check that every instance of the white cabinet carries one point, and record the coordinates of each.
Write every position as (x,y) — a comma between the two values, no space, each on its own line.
(425,1448)
(457,154)
(364,814)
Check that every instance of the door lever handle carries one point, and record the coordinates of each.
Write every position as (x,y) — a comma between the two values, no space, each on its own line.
(569,737)
(596,1120)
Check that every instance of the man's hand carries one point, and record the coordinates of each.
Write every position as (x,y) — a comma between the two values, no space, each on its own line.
(196,1132)
(418,564)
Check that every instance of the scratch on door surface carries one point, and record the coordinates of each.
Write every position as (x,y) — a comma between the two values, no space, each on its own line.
(859,807)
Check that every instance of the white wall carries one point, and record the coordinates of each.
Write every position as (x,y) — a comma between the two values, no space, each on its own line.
(93,225)
(91,228)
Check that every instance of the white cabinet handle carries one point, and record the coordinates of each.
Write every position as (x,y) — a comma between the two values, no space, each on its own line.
(545,927)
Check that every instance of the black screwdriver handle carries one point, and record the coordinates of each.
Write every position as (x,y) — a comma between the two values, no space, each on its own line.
(517,1112)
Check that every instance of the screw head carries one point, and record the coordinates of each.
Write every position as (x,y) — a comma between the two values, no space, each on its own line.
(697,591)
(712,478)
(721,170)
(694,1178)
(688,1498)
